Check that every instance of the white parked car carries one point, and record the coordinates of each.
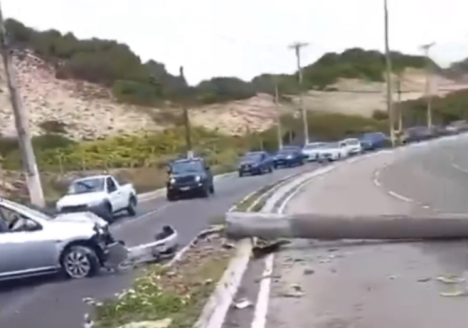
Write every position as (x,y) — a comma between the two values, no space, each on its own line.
(352,145)
(311,150)
(100,194)
(332,151)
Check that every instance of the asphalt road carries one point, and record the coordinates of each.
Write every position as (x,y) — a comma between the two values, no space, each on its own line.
(434,176)
(370,283)
(56,303)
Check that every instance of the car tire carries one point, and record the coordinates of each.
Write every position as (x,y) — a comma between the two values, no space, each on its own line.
(107,213)
(170,197)
(79,262)
(205,192)
(270,169)
(241,174)
(131,208)
(212,190)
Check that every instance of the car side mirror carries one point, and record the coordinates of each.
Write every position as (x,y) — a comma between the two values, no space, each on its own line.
(169,170)
(207,167)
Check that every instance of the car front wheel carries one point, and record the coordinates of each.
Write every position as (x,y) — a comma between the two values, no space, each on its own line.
(80,262)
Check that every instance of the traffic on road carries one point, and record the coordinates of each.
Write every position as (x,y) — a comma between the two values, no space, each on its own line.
(85,223)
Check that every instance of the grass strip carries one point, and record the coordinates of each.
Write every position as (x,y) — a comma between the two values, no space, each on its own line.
(169,297)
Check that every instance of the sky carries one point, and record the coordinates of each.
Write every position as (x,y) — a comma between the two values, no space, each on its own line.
(244,38)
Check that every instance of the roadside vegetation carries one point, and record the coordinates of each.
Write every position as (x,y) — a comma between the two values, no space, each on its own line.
(117,67)
(169,296)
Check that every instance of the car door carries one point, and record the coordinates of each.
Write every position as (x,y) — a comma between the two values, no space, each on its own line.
(26,252)
(116,195)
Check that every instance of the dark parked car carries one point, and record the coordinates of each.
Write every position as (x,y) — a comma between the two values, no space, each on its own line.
(373,141)
(418,133)
(257,162)
(289,156)
(189,177)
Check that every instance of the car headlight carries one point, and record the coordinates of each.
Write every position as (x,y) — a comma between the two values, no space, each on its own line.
(172,181)
(289,157)
(197,178)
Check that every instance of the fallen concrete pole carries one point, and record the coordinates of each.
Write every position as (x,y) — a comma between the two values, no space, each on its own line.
(316,226)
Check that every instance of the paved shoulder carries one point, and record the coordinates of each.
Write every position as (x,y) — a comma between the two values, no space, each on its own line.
(362,284)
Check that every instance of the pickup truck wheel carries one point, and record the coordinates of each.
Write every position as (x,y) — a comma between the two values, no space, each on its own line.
(108,214)
(131,209)
(80,262)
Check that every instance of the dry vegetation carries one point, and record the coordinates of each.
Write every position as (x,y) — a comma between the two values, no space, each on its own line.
(88,111)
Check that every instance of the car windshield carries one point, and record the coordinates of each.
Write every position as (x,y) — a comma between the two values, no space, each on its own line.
(287,151)
(332,145)
(27,210)
(88,185)
(186,167)
(251,157)
(314,145)
(371,135)
(352,142)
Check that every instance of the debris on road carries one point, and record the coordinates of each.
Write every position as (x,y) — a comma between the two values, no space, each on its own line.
(264,247)
(175,293)
(450,279)
(242,304)
(294,291)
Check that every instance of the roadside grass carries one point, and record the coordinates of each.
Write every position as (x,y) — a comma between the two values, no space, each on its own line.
(175,295)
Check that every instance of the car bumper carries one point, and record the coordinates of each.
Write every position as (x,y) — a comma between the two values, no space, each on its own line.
(185,189)
(249,169)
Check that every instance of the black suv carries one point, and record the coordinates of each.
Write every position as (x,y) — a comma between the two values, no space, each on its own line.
(189,177)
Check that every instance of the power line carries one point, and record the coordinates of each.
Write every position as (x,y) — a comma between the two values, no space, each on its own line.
(28,158)
(297,49)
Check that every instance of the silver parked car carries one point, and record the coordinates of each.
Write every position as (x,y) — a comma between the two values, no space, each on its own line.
(33,243)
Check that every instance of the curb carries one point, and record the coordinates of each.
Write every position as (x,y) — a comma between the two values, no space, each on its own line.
(215,309)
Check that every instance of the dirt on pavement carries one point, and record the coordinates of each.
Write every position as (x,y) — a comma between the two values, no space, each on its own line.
(338,284)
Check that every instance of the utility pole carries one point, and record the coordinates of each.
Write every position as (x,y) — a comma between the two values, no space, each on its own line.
(427,92)
(297,49)
(188,131)
(400,109)
(388,74)
(278,118)
(28,159)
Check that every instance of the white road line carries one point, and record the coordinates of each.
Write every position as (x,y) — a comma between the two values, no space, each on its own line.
(456,166)
(263,297)
(377,182)
(127,221)
(400,197)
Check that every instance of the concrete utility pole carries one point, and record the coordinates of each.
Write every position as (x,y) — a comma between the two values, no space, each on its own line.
(297,49)
(188,131)
(400,110)
(388,73)
(427,92)
(28,158)
(278,118)
(315,226)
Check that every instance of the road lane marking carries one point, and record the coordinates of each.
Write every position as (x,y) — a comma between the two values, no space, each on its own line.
(263,296)
(400,197)
(456,166)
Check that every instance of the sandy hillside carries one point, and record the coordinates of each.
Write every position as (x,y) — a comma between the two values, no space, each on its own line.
(88,111)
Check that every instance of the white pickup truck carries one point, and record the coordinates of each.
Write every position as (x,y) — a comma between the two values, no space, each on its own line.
(99,194)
